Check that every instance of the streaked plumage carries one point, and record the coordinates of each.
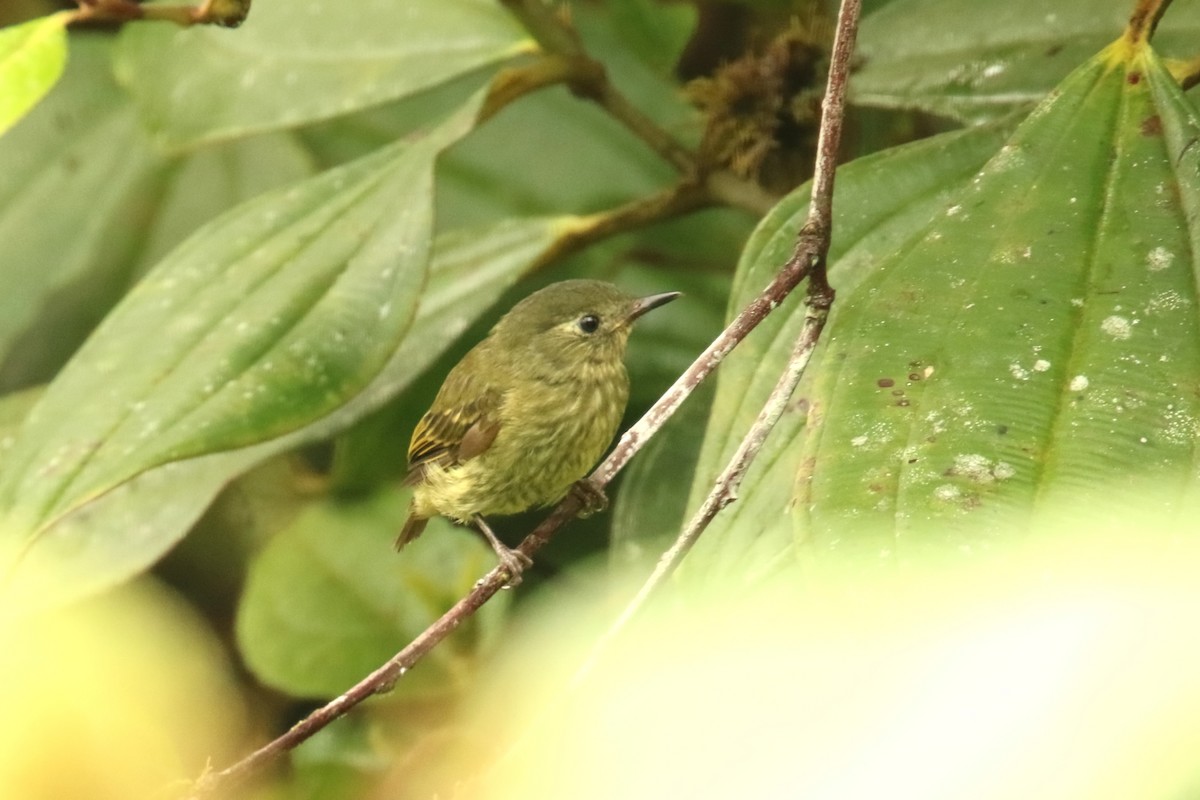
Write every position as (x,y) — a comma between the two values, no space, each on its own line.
(529,410)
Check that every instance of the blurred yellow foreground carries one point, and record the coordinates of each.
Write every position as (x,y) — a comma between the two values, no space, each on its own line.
(1067,669)
(119,698)
(1070,669)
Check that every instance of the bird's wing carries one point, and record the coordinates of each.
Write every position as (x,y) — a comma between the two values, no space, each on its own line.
(462,423)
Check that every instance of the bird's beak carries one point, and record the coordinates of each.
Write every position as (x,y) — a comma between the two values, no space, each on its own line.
(644,304)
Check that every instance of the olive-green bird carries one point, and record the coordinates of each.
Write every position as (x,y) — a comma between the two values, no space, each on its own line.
(527,412)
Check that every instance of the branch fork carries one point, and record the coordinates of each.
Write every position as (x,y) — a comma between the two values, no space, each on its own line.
(807,261)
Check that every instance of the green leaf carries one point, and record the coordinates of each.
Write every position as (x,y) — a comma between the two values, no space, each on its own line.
(1034,340)
(882,203)
(205,184)
(329,600)
(554,134)
(127,529)
(973,62)
(266,322)
(87,204)
(32,57)
(291,65)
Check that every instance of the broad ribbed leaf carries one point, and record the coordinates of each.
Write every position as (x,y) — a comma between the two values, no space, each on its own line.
(974,61)
(881,201)
(293,64)
(264,324)
(127,529)
(32,56)
(1035,340)
(329,599)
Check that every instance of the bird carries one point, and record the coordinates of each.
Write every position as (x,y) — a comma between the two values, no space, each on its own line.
(527,412)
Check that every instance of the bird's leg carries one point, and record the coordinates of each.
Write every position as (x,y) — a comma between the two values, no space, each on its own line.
(590,496)
(513,561)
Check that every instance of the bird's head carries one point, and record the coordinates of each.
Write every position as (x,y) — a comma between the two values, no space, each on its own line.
(575,324)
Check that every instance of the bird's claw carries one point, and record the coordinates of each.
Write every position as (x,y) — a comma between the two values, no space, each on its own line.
(590,495)
(514,563)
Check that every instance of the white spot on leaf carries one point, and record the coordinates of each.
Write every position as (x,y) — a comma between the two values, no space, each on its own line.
(1117,327)
(1159,259)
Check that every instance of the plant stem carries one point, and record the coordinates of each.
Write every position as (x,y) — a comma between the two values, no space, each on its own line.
(227,13)
(808,260)
(809,256)
(1187,72)
(556,37)
(566,61)
(678,200)
(1144,19)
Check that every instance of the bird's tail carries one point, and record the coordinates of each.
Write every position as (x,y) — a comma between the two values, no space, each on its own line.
(413,528)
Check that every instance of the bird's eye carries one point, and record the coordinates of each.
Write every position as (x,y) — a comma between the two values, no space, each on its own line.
(589,323)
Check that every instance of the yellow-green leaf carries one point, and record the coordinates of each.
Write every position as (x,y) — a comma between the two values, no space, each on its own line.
(291,65)
(263,325)
(1038,337)
(32,57)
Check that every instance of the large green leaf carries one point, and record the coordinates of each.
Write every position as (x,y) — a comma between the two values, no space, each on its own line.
(127,529)
(971,61)
(32,56)
(882,203)
(87,204)
(290,65)
(328,600)
(1036,339)
(267,322)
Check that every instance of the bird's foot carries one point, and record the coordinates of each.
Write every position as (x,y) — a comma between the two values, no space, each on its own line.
(591,497)
(513,561)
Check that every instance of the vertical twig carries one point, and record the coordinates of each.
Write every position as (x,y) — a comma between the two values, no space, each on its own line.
(808,260)
(809,255)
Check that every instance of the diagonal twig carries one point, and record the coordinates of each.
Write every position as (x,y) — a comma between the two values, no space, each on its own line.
(812,248)
(808,260)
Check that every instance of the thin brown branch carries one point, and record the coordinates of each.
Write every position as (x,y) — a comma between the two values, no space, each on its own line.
(566,61)
(676,201)
(641,125)
(512,83)
(810,253)
(383,678)
(226,13)
(725,488)
(808,260)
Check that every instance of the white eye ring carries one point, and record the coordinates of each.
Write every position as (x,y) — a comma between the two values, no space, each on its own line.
(589,323)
